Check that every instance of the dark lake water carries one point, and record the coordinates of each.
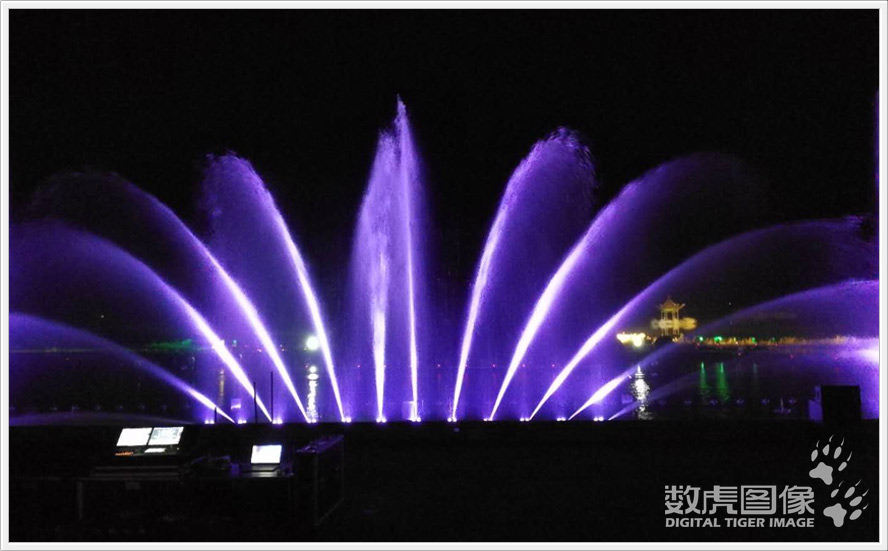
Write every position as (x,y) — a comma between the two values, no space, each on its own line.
(690,382)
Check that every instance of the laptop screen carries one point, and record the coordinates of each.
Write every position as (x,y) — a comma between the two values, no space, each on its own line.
(133,437)
(267,454)
(165,436)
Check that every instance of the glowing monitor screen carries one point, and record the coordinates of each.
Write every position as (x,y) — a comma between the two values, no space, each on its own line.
(266,454)
(165,436)
(133,437)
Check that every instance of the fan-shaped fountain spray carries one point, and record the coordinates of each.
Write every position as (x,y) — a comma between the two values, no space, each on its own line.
(549,287)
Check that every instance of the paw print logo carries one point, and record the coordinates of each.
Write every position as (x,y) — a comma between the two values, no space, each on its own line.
(830,461)
(848,504)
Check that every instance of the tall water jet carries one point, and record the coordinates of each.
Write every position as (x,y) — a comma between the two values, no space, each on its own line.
(237,200)
(94,268)
(373,253)
(33,332)
(387,268)
(408,174)
(556,178)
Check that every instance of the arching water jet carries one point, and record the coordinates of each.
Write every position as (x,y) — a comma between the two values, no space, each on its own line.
(556,176)
(139,209)
(860,319)
(26,330)
(230,180)
(847,257)
(99,255)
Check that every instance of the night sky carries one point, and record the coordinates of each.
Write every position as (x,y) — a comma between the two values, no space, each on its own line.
(303,94)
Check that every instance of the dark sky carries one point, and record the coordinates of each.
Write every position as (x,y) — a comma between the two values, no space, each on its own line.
(302,94)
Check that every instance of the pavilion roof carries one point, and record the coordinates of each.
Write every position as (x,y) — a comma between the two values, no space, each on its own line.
(671,305)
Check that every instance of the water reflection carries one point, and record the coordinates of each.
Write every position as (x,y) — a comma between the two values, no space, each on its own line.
(640,390)
(311,406)
(703,385)
(764,383)
(220,387)
(722,391)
